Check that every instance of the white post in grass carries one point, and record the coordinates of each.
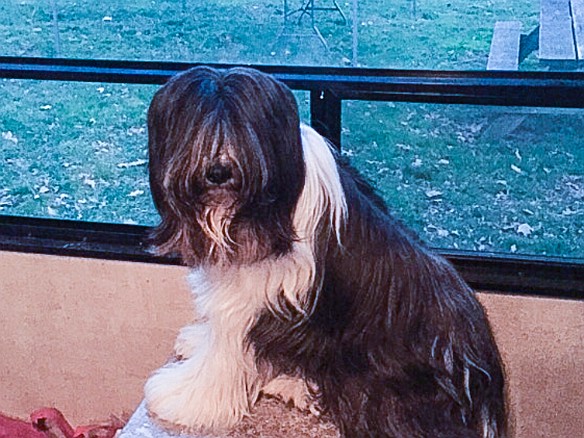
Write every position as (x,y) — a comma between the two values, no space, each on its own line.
(56,28)
(355,34)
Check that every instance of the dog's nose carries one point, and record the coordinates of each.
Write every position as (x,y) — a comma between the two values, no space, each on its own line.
(218,174)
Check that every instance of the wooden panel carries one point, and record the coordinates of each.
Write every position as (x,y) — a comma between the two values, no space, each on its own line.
(83,335)
(541,343)
(504,53)
(556,37)
(578,18)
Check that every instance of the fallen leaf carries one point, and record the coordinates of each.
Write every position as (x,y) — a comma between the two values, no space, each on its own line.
(5,199)
(442,232)
(132,164)
(89,182)
(134,130)
(433,193)
(9,136)
(569,212)
(516,169)
(136,193)
(524,229)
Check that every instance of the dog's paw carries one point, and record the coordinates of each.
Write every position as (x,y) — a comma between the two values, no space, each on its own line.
(197,398)
(294,392)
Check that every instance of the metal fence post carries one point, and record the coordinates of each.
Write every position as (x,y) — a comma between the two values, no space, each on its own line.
(325,115)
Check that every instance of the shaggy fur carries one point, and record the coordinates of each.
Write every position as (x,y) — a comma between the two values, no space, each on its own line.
(299,271)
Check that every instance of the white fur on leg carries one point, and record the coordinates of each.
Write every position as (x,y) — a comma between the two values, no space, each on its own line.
(208,391)
(189,339)
(218,382)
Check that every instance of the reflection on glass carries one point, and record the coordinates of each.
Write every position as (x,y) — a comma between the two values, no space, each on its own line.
(432,34)
(476,178)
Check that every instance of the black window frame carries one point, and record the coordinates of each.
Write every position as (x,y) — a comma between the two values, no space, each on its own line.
(556,277)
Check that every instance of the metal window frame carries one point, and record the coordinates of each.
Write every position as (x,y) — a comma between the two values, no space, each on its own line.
(537,276)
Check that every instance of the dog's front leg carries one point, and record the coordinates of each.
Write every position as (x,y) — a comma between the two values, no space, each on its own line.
(188,340)
(211,389)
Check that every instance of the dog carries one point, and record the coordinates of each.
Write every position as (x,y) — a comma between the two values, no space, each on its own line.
(302,279)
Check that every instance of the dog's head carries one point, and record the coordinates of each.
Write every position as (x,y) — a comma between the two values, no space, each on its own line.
(226,165)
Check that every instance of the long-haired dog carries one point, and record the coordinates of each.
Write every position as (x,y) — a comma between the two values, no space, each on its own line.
(300,274)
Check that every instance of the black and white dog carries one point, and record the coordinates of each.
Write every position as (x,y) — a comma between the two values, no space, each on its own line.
(301,278)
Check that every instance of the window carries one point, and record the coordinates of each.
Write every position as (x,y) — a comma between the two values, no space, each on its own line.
(461,154)
(496,179)
(75,151)
(434,34)
(78,150)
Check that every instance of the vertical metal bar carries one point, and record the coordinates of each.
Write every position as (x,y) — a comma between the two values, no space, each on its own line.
(56,27)
(325,115)
(355,35)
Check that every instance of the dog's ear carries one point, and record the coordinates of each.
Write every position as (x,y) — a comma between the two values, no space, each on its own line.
(156,148)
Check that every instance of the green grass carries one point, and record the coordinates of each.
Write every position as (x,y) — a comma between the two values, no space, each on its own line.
(447,174)
(75,151)
(478,178)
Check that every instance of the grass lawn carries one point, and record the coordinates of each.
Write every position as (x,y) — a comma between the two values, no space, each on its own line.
(479,178)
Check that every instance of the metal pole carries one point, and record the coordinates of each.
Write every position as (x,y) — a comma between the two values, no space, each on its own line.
(354,62)
(56,27)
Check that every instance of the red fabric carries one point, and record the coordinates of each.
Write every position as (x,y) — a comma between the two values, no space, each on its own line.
(51,423)
(12,428)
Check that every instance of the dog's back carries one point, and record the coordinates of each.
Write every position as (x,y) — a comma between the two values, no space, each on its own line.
(398,344)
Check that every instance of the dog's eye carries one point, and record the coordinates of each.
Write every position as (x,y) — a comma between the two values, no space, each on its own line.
(218,174)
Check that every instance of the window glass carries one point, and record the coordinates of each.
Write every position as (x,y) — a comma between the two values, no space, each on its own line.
(476,178)
(432,34)
(75,151)
(78,150)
